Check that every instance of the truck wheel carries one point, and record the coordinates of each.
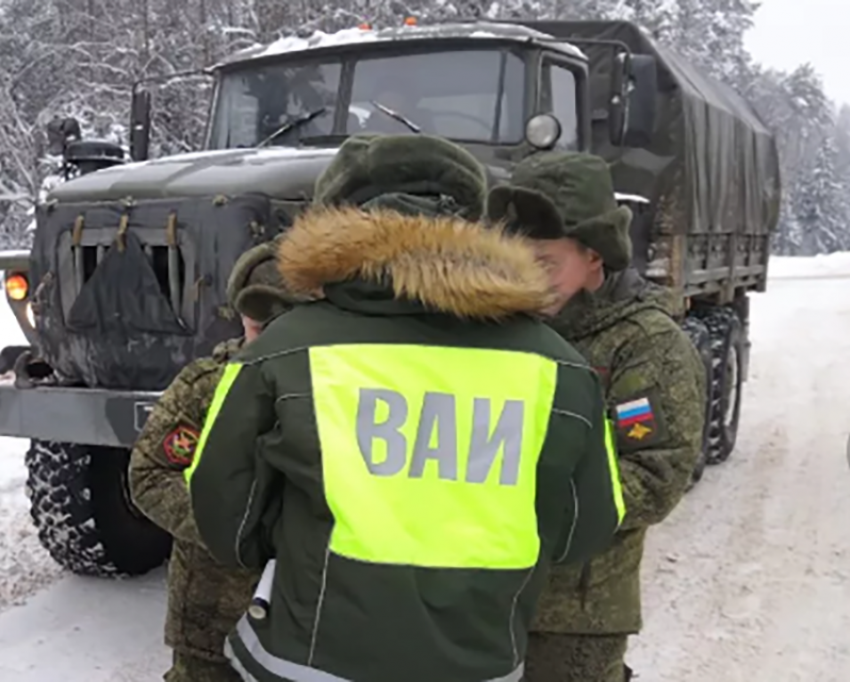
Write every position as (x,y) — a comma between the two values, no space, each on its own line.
(699,335)
(727,354)
(80,503)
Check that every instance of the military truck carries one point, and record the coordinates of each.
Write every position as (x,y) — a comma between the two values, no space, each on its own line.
(125,283)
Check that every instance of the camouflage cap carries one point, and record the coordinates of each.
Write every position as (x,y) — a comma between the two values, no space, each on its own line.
(399,172)
(566,194)
(255,288)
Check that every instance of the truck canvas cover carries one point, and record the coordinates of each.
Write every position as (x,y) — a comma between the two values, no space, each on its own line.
(129,293)
(712,165)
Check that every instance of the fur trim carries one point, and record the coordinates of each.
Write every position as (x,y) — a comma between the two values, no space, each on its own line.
(450,265)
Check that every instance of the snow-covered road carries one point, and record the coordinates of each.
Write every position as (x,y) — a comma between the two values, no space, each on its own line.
(748,581)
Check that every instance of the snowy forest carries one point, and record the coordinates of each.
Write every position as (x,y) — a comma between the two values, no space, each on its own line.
(80,57)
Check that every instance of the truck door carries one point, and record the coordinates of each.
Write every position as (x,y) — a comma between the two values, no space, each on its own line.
(558,96)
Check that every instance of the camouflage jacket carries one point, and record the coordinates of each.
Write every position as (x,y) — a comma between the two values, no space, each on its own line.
(655,387)
(204,599)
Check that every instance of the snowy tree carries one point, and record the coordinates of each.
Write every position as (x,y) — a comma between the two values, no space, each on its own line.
(80,58)
(653,15)
(818,206)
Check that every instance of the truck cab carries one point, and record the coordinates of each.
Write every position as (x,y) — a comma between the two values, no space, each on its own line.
(169,230)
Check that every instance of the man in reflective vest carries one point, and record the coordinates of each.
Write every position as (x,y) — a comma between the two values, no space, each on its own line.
(415,449)
(654,383)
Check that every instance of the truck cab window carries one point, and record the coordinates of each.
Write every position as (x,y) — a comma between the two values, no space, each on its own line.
(473,95)
(254,104)
(558,97)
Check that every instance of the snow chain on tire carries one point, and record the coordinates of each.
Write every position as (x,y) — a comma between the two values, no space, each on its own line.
(726,332)
(699,335)
(82,511)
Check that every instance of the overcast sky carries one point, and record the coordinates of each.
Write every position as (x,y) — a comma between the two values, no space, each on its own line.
(788,33)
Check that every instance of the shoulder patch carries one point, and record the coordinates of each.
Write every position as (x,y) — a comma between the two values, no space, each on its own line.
(639,422)
(180,444)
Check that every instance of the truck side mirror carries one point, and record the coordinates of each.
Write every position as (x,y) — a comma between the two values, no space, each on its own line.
(618,102)
(642,101)
(140,124)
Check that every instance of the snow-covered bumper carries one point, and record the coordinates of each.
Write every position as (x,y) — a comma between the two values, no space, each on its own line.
(83,416)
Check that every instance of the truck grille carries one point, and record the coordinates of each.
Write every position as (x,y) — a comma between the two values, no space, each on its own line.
(168,265)
(168,252)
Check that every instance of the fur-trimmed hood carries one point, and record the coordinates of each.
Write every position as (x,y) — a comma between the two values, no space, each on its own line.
(448,265)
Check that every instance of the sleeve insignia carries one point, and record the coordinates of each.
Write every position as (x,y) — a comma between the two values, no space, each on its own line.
(180,445)
(639,423)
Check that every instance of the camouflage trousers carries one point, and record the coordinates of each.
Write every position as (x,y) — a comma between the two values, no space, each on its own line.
(187,668)
(555,657)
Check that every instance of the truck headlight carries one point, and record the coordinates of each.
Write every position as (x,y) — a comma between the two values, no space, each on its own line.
(543,131)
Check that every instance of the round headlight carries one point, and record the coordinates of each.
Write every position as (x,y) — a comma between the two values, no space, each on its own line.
(543,131)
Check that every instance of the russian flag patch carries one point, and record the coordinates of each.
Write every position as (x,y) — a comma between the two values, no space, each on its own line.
(634,412)
(638,423)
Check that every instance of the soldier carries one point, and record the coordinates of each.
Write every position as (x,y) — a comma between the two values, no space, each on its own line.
(204,599)
(410,453)
(655,387)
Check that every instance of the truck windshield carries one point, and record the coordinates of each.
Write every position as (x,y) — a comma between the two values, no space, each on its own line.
(253,104)
(466,95)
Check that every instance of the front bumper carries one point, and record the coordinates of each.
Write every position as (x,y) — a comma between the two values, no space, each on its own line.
(84,416)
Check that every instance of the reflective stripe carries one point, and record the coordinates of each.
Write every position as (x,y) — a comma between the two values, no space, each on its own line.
(231,371)
(429,454)
(302,673)
(235,663)
(614,467)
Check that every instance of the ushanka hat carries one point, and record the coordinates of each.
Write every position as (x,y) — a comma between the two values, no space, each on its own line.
(255,288)
(411,174)
(565,194)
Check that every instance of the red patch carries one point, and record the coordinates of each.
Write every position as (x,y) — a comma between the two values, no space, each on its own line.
(180,445)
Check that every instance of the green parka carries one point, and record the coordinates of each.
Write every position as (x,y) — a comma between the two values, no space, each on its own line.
(414,451)
(654,378)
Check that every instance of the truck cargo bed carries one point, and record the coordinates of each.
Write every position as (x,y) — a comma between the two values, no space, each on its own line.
(710,173)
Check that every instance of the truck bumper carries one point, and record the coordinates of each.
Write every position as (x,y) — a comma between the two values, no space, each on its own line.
(84,416)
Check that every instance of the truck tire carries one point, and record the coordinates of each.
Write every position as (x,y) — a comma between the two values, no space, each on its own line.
(80,503)
(727,353)
(699,335)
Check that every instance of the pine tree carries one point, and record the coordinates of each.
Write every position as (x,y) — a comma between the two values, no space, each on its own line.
(818,205)
(79,58)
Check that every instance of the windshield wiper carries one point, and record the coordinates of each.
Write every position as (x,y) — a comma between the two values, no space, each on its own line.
(397,116)
(292,124)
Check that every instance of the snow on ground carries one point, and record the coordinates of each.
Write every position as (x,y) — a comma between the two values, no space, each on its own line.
(833,265)
(748,581)
(24,566)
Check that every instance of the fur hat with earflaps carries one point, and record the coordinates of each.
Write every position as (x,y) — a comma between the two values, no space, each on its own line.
(409,174)
(565,194)
(255,288)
